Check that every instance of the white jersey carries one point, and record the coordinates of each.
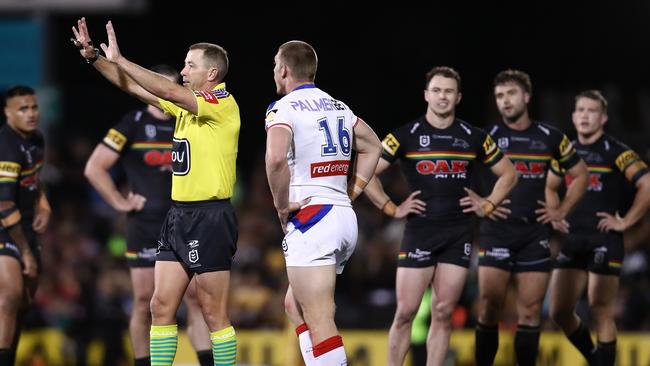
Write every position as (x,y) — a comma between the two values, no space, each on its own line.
(319,157)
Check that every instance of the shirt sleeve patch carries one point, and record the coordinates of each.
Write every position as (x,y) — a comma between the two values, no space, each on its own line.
(9,171)
(566,148)
(626,159)
(115,140)
(207,96)
(390,144)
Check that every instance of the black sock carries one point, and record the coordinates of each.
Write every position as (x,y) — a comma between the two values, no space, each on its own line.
(526,345)
(605,354)
(205,358)
(581,339)
(5,357)
(144,361)
(487,344)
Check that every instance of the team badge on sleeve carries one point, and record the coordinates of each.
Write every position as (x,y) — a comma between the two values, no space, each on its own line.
(566,147)
(488,145)
(9,171)
(390,144)
(115,140)
(626,159)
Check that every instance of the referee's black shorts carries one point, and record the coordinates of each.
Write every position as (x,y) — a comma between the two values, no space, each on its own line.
(201,235)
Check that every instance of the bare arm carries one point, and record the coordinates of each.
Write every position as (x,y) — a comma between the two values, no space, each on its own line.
(42,213)
(488,206)
(108,69)
(375,192)
(552,199)
(152,82)
(578,186)
(277,169)
(639,207)
(97,167)
(368,148)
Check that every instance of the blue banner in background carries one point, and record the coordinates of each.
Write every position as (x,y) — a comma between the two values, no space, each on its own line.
(22,52)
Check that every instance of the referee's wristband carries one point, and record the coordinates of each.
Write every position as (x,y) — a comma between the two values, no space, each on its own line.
(389,208)
(91,60)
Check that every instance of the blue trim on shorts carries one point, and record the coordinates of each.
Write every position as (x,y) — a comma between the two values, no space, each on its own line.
(309,216)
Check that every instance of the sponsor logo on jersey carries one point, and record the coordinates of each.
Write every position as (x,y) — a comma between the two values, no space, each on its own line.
(531,169)
(419,255)
(443,168)
(180,156)
(330,168)
(390,144)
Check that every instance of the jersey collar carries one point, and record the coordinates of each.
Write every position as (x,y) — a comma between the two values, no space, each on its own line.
(305,86)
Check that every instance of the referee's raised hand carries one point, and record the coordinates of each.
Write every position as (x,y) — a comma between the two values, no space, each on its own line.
(112,51)
(82,39)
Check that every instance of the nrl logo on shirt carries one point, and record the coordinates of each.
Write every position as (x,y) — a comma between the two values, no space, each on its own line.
(425,140)
(502,142)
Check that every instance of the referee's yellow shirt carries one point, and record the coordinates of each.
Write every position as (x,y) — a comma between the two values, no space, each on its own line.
(204,149)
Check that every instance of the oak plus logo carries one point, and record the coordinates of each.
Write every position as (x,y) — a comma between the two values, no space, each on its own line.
(180,156)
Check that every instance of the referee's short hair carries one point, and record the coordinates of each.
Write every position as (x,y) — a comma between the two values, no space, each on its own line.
(594,95)
(301,58)
(444,71)
(213,56)
(514,76)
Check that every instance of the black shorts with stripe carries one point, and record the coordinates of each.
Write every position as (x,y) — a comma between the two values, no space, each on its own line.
(596,252)
(142,233)
(515,247)
(201,235)
(427,244)
(8,245)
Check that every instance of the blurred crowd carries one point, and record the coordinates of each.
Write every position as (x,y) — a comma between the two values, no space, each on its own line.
(85,288)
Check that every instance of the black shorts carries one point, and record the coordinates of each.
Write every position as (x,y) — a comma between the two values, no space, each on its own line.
(425,245)
(9,247)
(201,235)
(515,247)
(600,253)
(142,234)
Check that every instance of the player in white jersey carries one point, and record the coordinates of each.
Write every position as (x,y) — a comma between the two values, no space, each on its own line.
(310,137)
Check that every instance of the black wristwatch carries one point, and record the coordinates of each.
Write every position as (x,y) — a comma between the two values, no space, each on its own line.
(91,60)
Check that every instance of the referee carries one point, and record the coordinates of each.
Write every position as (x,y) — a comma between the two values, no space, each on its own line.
(199,234)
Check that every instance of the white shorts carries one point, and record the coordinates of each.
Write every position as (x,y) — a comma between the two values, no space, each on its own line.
(320,235)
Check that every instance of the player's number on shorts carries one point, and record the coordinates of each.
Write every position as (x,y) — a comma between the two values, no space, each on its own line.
(330,147)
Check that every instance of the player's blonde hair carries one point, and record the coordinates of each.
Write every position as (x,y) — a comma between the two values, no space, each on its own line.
(301,58)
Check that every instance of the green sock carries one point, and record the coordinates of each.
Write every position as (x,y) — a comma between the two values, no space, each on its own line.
(224,347)
(162,344)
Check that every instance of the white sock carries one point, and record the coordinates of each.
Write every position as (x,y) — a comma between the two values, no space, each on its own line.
(306,348)
(330,352)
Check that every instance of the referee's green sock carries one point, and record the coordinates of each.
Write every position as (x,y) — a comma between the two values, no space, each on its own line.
(224,347)
(163,340)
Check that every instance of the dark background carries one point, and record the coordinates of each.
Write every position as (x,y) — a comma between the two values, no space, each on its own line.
(374,57)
